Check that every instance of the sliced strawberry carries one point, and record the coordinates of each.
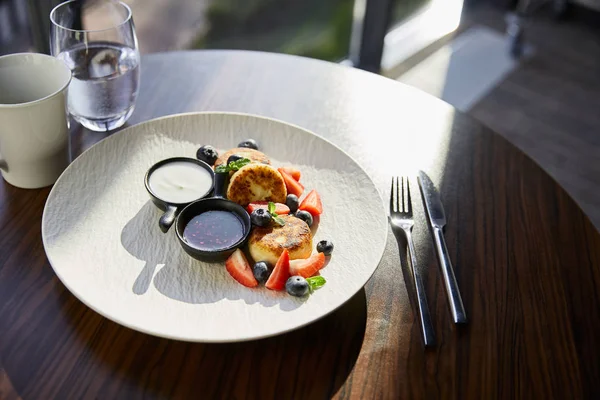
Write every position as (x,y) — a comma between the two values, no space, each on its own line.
(280,273)
(280,209)
(312,203)
(292,185)
(293,172)
(238,267)
(308,266)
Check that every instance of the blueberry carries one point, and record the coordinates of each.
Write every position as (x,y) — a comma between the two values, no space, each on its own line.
(292,202)
(260,217)
(208,154)
(297,286)
(249,143)
(325,247)
(233,158)
(305,216)
(262,270)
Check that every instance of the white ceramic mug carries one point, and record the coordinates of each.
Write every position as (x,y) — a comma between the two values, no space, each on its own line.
(34,134)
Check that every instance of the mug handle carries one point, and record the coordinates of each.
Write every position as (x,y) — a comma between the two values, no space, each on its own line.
(167,218)
(3,164)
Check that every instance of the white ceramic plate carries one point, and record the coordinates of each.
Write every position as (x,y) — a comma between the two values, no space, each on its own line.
(101,234)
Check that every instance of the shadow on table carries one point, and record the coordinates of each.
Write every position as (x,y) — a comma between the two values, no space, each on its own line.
(7,390)
(311,362)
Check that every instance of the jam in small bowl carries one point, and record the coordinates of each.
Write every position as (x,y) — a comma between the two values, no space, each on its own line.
(211,229)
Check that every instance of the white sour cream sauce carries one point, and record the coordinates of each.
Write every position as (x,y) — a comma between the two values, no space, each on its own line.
(180,182)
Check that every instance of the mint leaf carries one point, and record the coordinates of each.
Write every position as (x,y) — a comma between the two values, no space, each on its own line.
(271,210)
(221,169)
(315,282)
(278,220)
(233,166)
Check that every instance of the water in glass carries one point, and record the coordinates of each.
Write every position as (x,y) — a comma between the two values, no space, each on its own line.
(105,81)
(97,40)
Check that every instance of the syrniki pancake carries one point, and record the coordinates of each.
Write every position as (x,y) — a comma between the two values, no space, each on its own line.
(253,155)
(256,182)
(267,244)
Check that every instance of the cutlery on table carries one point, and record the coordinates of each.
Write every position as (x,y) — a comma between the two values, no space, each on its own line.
(402,222)
(437,219)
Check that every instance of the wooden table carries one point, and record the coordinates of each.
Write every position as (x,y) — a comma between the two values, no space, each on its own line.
(527,260)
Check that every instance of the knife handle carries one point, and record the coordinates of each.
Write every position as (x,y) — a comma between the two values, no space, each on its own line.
(457,308)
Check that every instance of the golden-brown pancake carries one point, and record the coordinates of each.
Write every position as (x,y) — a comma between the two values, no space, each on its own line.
(256,182)
(267,244)
(253,155)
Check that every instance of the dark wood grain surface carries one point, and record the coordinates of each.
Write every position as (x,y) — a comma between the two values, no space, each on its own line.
(526,258)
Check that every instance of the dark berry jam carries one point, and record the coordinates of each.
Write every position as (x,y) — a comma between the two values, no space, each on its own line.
(214,230)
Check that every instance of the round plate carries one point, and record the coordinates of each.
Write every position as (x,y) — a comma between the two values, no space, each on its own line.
(100,232)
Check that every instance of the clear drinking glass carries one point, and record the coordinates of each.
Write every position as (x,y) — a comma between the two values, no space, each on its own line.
(97,41)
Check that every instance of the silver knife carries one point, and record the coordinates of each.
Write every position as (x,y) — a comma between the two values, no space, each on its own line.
(437,218)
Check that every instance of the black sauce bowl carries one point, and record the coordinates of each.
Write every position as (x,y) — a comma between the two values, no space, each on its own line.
(171,210)
(218,202)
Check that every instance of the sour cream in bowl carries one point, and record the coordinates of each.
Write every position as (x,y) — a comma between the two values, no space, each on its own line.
(176,182)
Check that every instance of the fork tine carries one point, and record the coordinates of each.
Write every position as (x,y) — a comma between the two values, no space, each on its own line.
(398,198)
(402,180)
(408,196)
(392,197)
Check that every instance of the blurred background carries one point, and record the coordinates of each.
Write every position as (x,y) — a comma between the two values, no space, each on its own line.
(529,69)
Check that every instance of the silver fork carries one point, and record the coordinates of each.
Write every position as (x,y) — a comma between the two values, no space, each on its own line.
(401,219)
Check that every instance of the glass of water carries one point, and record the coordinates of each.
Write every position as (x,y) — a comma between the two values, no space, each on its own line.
(97,40)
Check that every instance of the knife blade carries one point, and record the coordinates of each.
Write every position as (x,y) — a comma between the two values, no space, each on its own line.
(432,200)
(437,219)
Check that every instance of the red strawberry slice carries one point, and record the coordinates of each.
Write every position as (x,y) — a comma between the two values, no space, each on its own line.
(312,203)
(293,172)
(280,273)
(292,185)
(280,209)
(238,267)
(307,267)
